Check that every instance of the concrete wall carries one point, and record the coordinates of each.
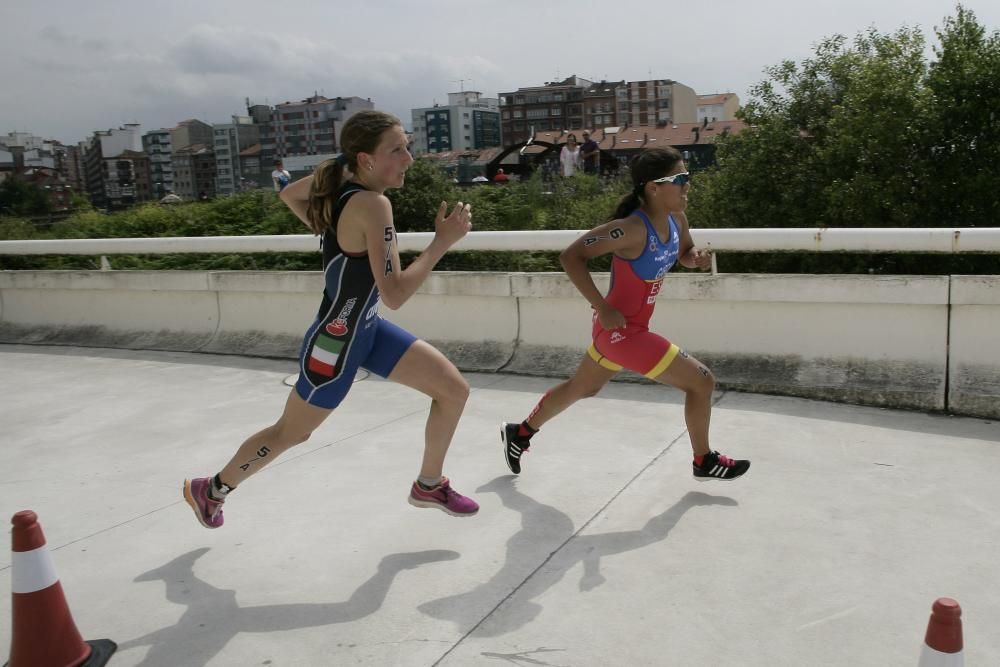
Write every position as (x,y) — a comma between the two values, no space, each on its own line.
(925,342)
(974,342)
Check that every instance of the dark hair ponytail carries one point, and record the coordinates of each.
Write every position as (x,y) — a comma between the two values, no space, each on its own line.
(650,163)
(361,134)
(626,205)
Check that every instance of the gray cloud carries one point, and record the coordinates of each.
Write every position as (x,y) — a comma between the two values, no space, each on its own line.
(212,50)
(62,39)
(78,67)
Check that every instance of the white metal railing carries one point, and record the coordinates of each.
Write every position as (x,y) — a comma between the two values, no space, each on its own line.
(948,240)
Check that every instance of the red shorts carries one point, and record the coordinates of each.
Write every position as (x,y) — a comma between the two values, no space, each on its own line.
(633,347)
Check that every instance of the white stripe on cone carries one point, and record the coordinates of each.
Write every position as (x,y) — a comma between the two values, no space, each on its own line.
(32,570)
(931,658)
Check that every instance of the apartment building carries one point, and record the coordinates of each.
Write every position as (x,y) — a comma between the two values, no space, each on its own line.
(555,105)
(470,121)
(718,107)
(230,139)
(158,147)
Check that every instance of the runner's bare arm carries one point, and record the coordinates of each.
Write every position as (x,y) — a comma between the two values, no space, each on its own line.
(395,284)
(622,237)
(296,197)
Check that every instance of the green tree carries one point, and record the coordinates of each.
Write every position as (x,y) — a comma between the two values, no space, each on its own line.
(79,202)
(867,134)
(18,197)
(415,205)
(831,142)
(962,183)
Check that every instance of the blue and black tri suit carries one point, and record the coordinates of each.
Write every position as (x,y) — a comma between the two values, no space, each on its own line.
(348,332)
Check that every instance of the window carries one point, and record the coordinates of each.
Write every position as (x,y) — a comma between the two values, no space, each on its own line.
(518,113)
(538,113)
(556,111)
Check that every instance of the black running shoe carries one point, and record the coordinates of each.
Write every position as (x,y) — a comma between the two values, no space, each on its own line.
(715,466)
(513,446)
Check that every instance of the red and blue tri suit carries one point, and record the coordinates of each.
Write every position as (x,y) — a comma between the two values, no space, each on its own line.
(634,286)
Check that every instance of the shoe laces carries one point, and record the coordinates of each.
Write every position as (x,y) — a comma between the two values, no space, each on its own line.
(726,461)
(444,486)
(449,492)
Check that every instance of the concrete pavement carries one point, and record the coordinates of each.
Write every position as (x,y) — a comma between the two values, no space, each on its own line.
(604,551)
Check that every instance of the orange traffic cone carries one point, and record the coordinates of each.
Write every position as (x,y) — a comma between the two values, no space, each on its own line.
(943,642)
(44,633)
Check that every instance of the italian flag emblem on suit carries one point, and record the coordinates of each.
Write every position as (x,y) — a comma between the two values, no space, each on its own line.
(325,352)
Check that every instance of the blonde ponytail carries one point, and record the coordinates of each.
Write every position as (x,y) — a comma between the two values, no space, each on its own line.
(327,179)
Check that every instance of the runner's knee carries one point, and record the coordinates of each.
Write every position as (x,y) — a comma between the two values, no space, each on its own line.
(705,381)
(453,390)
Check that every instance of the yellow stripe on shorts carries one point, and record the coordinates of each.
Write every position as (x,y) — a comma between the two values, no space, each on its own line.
(601,359)
(664,363)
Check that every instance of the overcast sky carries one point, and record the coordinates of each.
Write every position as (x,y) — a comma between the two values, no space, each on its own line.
(68,67)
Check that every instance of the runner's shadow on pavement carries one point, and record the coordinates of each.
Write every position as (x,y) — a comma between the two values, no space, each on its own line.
(545,525)
(212,617)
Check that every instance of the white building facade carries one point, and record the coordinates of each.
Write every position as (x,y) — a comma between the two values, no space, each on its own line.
(470,121)
(229,140)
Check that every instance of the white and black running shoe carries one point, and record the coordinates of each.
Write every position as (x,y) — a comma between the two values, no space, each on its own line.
(716,466)
(513,446)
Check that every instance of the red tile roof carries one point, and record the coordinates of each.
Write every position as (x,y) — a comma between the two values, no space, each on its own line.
(641,136)
(713,99)
(679,134)
(476,155)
